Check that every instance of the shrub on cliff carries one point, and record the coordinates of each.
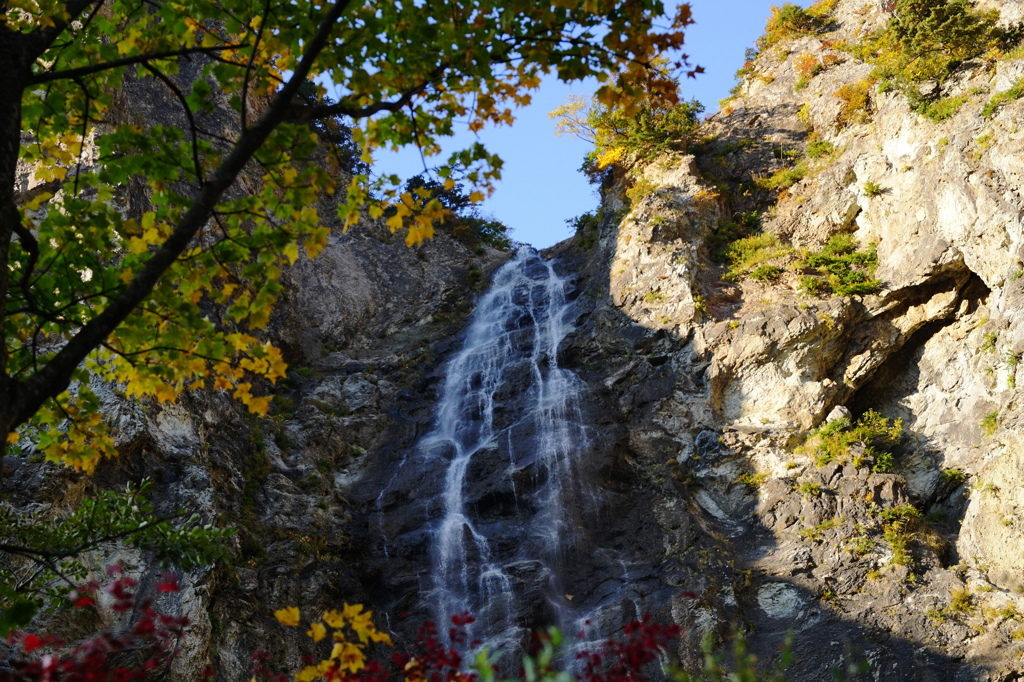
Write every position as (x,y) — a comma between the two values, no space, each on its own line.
(880,438)
(633,127)
(926,40)
(787,21)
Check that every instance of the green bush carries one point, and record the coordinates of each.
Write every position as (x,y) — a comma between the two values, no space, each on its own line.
(815,286)
(810,489)
(586,228)
(939,109)
(784,178)
(1014,93)
(646,128)
(820,148)
(752,480)
(953,477)
(788,21)
(767,273)
(846,269)
(639,190)
(990,423)
(940,34)
(873,189)
(749,252)
(926,40)
(742,225)
(655,129)
(898,526)
(831,442)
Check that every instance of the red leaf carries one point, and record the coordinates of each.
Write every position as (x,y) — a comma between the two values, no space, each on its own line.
(31,642)
(169,583)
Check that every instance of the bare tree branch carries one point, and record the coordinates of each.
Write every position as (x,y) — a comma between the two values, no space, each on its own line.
(49,76)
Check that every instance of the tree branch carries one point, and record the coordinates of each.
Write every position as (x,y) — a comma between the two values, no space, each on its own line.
(49,76)
(193,129)
(22,198)
(38,554)
(313,113)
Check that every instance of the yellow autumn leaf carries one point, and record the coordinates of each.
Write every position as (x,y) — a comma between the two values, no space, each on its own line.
(316,241)
(419,231)
(334,619)
(378,636)
(240,341)
(317,631)
(260,406)
(307,674)
(349,656)
(276,366)
(166,394)
(289,616)
(351,218)
(38,200)
(291,252)
(12,437)
(362,626)
(351,611)
(476,197)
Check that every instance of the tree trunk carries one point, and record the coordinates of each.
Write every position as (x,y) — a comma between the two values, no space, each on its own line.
(14,71)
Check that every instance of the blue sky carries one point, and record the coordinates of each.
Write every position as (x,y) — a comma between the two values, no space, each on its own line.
(540,187)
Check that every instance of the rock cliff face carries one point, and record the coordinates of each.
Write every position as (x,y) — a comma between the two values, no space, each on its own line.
(702,393)
(914,568)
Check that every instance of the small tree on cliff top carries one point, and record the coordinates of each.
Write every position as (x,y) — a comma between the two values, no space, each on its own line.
(131,295)
(646,126)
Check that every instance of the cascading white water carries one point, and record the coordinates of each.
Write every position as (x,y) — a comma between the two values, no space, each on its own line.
(503,391)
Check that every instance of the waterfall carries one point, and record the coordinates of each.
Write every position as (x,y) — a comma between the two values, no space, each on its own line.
(509,434)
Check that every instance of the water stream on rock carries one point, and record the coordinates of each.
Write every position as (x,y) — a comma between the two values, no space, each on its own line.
(504,392)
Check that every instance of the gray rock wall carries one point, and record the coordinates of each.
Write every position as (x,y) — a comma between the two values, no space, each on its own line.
(770,540)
